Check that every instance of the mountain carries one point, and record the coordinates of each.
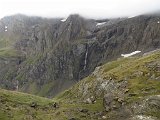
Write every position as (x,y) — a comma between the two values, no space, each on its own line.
(46,56)
(123,89)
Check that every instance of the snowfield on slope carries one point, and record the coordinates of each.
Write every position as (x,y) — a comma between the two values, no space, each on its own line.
(102,23)
(130,54)
(63,20)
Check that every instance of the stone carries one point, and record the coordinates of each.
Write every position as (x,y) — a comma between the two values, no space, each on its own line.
(93,99)
(84,110)
(33,105)
(120,100)
(104,117)
(107,100)
(88,101)
(55,105)
(126,90)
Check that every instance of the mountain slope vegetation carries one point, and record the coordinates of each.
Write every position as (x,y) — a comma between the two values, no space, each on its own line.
(123,89)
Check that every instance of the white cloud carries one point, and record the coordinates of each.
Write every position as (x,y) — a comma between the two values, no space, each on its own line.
(87,8)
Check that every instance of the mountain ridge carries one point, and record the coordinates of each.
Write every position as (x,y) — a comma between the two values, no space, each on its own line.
(55,55)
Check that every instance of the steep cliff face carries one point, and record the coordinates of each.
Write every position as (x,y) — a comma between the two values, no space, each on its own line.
(53,54)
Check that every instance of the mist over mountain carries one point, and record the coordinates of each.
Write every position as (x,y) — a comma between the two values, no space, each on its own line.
(96,9)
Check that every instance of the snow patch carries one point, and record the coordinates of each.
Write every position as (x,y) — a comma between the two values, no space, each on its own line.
(63,20)
(131,16)
(130,54)
(102,23)
(6,27)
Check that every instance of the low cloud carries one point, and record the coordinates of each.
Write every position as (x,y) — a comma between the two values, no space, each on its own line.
(87,8)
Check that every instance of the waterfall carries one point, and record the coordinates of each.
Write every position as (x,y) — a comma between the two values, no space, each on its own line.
(85,60)
(17,83)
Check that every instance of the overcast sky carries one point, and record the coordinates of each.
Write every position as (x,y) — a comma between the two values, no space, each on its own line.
(86,8)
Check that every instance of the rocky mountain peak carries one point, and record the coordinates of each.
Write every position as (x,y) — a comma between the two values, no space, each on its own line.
(74,17)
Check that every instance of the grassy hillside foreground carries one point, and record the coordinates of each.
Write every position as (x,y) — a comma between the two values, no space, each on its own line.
(125,89)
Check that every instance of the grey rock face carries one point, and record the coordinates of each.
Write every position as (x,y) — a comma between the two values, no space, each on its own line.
(56,54)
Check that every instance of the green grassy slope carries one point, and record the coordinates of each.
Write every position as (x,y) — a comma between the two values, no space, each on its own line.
(21,106)
(142,77)
(140,72)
